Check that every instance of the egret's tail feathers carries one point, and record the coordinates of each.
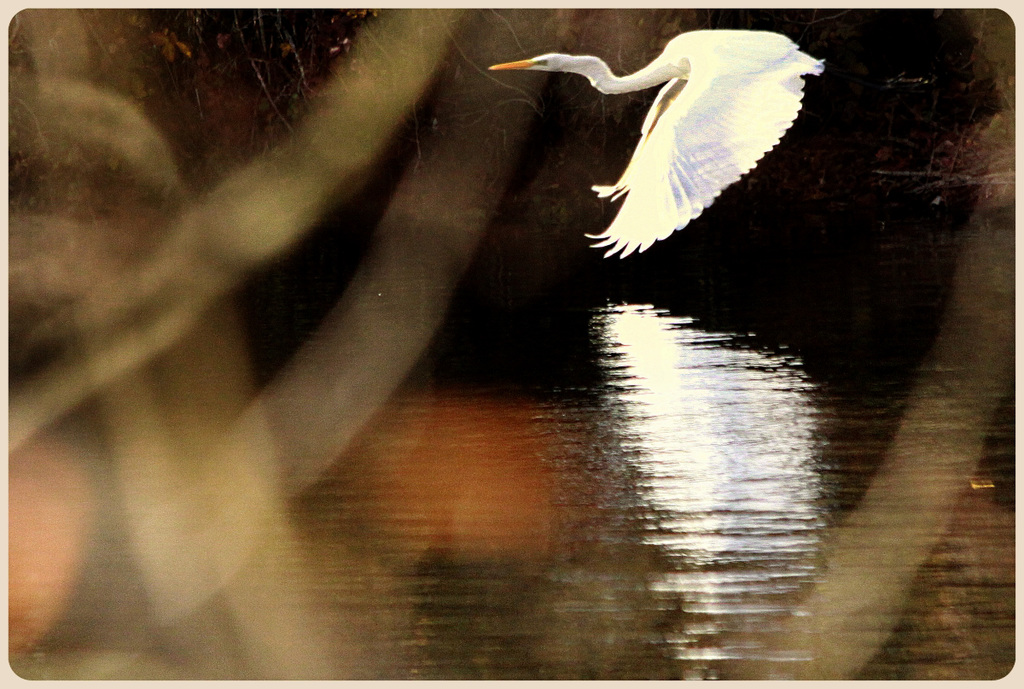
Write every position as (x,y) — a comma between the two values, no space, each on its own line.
(810,64)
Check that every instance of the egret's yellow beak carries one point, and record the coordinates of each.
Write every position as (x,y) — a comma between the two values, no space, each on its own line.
(519,64)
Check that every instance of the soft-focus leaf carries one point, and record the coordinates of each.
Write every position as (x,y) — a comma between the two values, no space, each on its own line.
(169,44)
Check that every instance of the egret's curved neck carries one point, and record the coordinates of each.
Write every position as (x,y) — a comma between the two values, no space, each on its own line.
(600,75)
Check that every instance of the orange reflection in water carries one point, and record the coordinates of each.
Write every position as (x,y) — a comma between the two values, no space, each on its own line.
(50,512)
(460,472)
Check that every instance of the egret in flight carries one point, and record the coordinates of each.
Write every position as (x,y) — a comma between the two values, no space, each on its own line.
(730,97)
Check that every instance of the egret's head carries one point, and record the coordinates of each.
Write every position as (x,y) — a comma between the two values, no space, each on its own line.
(587,65)
(552,62)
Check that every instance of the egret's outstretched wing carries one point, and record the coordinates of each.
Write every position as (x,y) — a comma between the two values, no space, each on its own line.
(739,102)
(666,97)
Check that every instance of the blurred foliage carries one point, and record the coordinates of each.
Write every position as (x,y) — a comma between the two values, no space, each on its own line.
(223,85)
(169,44)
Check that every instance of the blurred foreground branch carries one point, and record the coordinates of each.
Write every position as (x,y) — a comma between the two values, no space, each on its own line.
(197,456)
(255,214)
(160,350)
(874,555)
(399,295)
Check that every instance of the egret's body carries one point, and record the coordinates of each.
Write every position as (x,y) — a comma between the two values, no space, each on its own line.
(729,98)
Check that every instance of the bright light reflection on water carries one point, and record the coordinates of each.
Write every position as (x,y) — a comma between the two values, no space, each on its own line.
(724,441)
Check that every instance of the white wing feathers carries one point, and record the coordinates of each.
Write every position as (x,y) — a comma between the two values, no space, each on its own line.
(742,96)
(665,98)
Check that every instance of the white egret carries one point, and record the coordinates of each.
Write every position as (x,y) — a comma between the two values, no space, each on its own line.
(730,97)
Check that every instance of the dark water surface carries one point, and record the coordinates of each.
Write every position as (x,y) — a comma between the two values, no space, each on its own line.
(639,469)
(707,415)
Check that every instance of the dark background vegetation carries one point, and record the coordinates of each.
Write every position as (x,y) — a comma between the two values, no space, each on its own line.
(227,84)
